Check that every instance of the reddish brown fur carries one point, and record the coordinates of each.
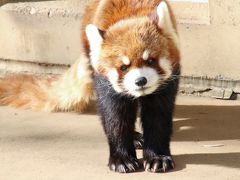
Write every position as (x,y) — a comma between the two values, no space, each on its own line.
(70,92)
(24,91)
(106,13)
(136,45)
(61,94)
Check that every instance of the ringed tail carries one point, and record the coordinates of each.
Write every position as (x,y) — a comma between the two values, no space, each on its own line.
(70,92)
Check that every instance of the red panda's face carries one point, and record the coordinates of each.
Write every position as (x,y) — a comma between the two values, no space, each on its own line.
(135,58)
(135,55)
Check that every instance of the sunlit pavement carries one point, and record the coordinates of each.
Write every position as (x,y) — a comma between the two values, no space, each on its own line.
(69,146)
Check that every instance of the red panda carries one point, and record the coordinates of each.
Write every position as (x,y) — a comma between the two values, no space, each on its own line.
(131,60)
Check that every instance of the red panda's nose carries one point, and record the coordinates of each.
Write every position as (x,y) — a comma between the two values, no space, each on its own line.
(142,81)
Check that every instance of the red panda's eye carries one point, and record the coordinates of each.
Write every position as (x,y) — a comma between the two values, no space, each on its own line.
(123,67)
(151,62)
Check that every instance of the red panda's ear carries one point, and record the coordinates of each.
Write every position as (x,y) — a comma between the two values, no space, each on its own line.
(95,39)
(163,19)
(102,33)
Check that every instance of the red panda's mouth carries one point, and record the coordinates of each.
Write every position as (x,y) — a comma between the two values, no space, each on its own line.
(142,89)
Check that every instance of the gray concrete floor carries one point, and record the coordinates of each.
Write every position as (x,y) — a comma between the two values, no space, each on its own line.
(69,146)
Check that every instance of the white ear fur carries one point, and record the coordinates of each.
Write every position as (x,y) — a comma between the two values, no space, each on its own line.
(95,41)
(165,22)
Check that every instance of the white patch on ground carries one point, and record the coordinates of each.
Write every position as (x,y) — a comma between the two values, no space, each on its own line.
(146,54)
(165,64)
(152,81)
(126,60)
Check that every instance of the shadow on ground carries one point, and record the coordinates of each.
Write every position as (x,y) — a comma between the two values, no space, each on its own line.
(207,123)
(202,123)
(191,123)
(230,160)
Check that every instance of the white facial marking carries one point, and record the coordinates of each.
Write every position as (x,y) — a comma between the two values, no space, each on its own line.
(152,81)
(166,65)
(113,78)
(165,22)
(145,55)
(95,42)
(126,60)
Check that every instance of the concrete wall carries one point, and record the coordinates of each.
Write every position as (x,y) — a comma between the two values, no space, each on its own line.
(213,49)
(210,33)
(41,31)
(48,32)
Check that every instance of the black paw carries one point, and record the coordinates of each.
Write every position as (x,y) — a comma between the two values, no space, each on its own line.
(159,164)
(124,164)
(138,140)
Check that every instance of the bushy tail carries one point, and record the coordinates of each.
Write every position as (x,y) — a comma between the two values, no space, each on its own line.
(70,92)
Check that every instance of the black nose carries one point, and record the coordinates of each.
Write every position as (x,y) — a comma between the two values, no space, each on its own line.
(142,81)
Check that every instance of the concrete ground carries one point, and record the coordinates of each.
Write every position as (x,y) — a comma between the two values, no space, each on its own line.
(69,146)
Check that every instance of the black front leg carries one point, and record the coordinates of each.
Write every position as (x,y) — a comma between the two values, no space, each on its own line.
(118,115)
(156,116)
